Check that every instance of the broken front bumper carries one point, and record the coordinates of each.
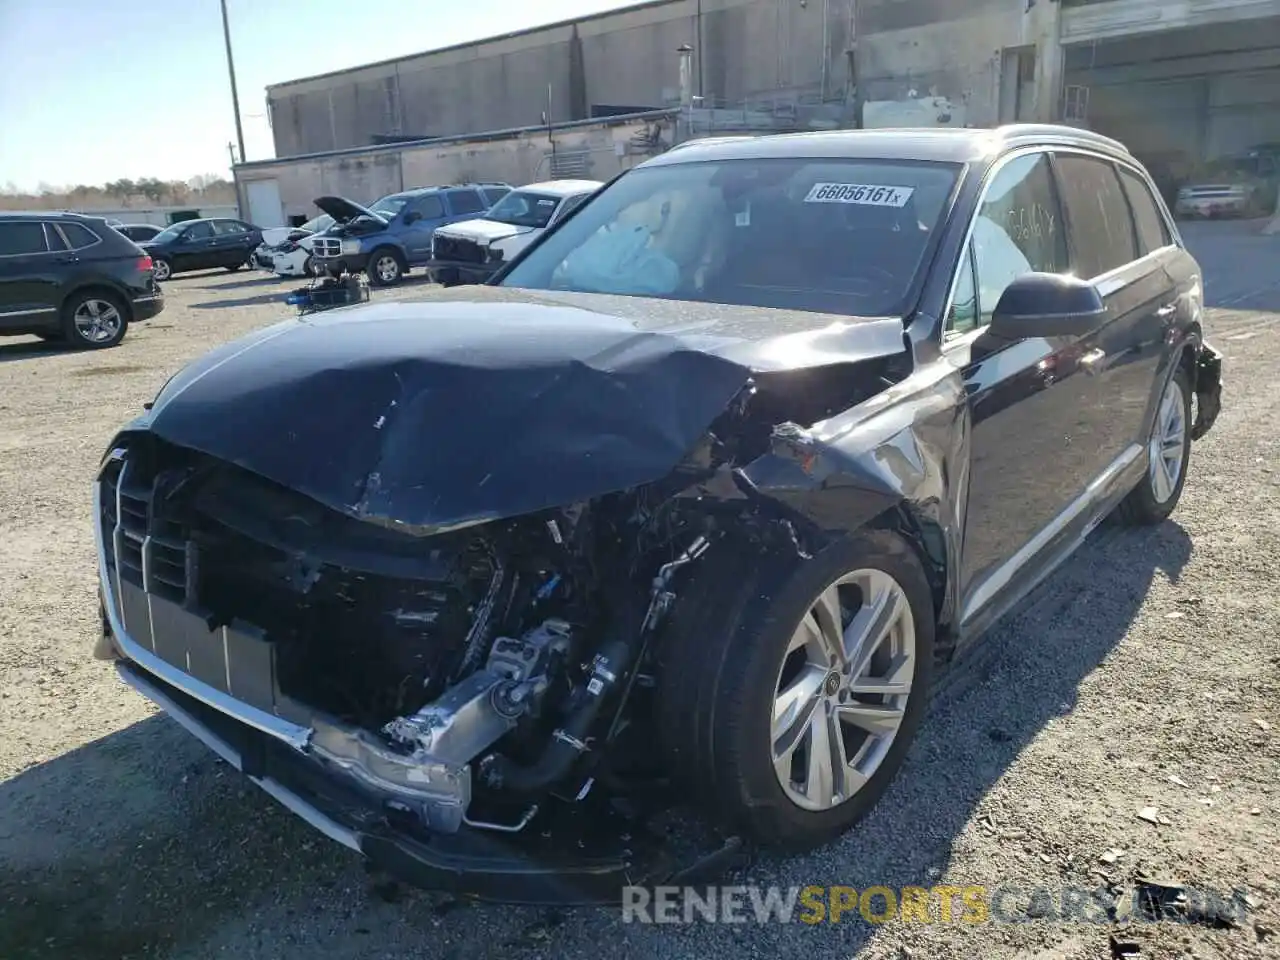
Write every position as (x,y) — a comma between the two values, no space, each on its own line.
(1208,390)
(406,815)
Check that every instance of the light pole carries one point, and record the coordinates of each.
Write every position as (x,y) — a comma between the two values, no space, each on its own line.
(231,71)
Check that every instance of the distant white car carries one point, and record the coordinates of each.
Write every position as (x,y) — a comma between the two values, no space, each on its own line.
(286,251)
(471,251)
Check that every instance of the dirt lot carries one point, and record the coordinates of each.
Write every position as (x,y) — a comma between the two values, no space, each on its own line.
(1145,674)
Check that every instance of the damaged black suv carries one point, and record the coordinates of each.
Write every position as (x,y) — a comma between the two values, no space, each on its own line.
(694,501)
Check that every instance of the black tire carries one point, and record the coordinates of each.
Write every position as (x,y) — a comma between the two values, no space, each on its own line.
(78,337)
(232,268)
(379,270)
(166,269)
(1144,505)
(719,667)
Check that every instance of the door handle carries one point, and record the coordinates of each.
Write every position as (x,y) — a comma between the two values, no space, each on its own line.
(1092,361)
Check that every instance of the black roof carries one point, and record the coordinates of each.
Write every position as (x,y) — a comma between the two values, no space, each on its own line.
(944,145)
(49,215)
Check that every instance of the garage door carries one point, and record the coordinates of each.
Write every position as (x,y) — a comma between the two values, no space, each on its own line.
(265,208)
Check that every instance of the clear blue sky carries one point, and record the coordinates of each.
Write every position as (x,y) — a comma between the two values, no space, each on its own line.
(96,90)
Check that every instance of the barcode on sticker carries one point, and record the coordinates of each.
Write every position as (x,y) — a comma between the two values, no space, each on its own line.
(868,194)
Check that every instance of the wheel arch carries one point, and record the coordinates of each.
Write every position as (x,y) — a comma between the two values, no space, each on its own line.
(99,286)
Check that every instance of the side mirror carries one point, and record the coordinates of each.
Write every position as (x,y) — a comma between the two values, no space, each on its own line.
(413,216)
(1047,305)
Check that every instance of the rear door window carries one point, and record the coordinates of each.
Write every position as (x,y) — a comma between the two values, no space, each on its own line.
(466,201)
(1153,231)
(229,228)
(78,235)
(1101,227)
(53,239)
(200,231)
(20,237)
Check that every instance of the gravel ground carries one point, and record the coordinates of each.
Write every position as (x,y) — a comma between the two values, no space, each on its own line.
(1146,673)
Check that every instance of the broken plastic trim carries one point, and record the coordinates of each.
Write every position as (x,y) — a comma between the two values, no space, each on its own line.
(1208,390)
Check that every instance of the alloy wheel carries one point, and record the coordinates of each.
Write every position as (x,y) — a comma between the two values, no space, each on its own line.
(97,321)
(1168,442)
(161,269)
(842,689)
(387,268)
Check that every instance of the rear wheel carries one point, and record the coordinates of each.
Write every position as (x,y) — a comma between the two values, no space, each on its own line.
(788,699)
(1168,453)
(386,267)
(163,269)
(94,319)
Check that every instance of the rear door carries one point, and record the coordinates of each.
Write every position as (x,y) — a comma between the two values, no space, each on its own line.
(29,273)
(233,242)
(1122,356)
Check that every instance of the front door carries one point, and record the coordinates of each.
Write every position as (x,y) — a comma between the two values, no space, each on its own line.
(195,249)
(421,217)
(1025,397)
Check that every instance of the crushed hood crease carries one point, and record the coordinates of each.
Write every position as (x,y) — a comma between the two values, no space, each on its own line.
(491,402)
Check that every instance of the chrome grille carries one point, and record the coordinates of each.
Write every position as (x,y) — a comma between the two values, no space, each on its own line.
(147,551)
(327,247)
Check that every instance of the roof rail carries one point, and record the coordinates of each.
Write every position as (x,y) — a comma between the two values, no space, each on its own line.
(1043,131)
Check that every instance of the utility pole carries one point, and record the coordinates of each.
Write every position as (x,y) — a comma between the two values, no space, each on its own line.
(231,71)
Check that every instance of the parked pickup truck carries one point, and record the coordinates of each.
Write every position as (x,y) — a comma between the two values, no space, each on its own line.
(385,240)
(473,250)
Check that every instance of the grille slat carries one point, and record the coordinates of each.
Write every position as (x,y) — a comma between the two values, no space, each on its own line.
(148,552)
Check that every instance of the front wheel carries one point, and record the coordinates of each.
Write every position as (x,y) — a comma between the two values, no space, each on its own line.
(1168,453)
(385,267)
(789,708)
(94,320)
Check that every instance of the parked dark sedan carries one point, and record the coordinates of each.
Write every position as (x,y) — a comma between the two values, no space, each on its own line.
(694,501)
(72,278)
(202,245)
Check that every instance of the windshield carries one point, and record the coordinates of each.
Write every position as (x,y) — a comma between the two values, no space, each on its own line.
(829,236)
(522,209)
(322,222)
(388,207)
(169,234)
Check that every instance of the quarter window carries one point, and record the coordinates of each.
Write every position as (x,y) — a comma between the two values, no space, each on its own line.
(1153,232)
(18,237)
(964,302)
(1018,230)
(78,235)
(1101,227)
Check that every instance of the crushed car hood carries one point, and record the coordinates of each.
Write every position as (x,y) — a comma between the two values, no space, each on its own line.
(344,211)
(483,230)
(488,402)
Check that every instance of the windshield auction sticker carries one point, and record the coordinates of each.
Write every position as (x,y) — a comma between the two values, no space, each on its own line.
(866,194)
